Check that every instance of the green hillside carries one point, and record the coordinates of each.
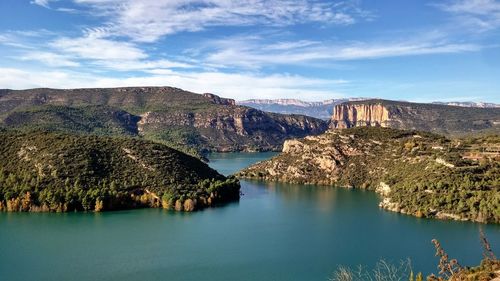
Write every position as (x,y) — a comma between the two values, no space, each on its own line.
(190,122)
(415,173)
(59,172)
(100,120)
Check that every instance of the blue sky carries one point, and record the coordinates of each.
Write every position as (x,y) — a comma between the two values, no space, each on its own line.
(312,50)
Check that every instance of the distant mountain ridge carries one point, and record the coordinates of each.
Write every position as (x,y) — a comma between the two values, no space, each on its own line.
(296,102)
(316,109)
(324,109)
(469,104)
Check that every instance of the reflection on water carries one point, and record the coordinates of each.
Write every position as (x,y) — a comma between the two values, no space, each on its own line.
(230,163)
(325,197)
(276,232)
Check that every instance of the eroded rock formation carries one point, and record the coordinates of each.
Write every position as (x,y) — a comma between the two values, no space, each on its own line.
(354,115)
(443,119)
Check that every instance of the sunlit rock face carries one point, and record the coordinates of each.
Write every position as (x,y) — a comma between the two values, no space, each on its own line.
(355,115)
(437,118)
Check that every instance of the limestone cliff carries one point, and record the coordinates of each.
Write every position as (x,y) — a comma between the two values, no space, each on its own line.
(232,128)
(438,118)
(354,115)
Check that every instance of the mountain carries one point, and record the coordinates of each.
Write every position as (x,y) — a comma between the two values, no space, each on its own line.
(191,122)
(443,119)
(416,173)
(320,110)
(469,104)
(43,171)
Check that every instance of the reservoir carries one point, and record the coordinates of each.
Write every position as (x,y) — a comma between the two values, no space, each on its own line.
(275,232)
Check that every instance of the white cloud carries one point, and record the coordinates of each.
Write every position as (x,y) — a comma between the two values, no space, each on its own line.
(13,78)
(237,86)
(88,50)
(253,53)
(478,7)
(476,15)
(48,58)
(148,20)
(106,53)
(43,3)
(367,51)
(9,39)
(94,47)
(130,65)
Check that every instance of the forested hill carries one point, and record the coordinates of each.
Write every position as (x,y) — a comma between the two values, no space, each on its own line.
(43,171)
(185,120)
(416,173)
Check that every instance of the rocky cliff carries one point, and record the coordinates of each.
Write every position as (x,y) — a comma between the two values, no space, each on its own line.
(354,115)
(443,119)
(321,109)
(191,122)
(415,173)
(232,128)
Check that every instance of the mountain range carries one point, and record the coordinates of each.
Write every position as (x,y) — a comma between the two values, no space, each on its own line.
(319,109)
(324,109)
(62,148)
(194,123)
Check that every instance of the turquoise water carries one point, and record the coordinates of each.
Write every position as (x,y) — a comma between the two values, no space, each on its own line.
(276,232)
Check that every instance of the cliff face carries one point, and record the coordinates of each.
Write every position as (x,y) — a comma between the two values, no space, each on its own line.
(414,172)
(321,110)
(355,115)
(438,118)
(218,100)
(185,120)
(233,128)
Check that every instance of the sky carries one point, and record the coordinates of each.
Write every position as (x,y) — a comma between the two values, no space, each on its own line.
(415,50)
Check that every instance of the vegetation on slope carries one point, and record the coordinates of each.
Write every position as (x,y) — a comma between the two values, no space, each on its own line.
(449,120)
(43,171)
(99,120)
(416,173)
(187,121)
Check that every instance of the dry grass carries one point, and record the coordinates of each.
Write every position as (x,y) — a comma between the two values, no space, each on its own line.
(449,269)
(383,271)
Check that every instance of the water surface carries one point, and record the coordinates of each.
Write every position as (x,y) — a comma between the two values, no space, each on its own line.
(276,232)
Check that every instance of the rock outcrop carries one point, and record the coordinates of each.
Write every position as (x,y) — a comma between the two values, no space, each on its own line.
(218,100)
(438,118)
(411,176)
(354,115)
